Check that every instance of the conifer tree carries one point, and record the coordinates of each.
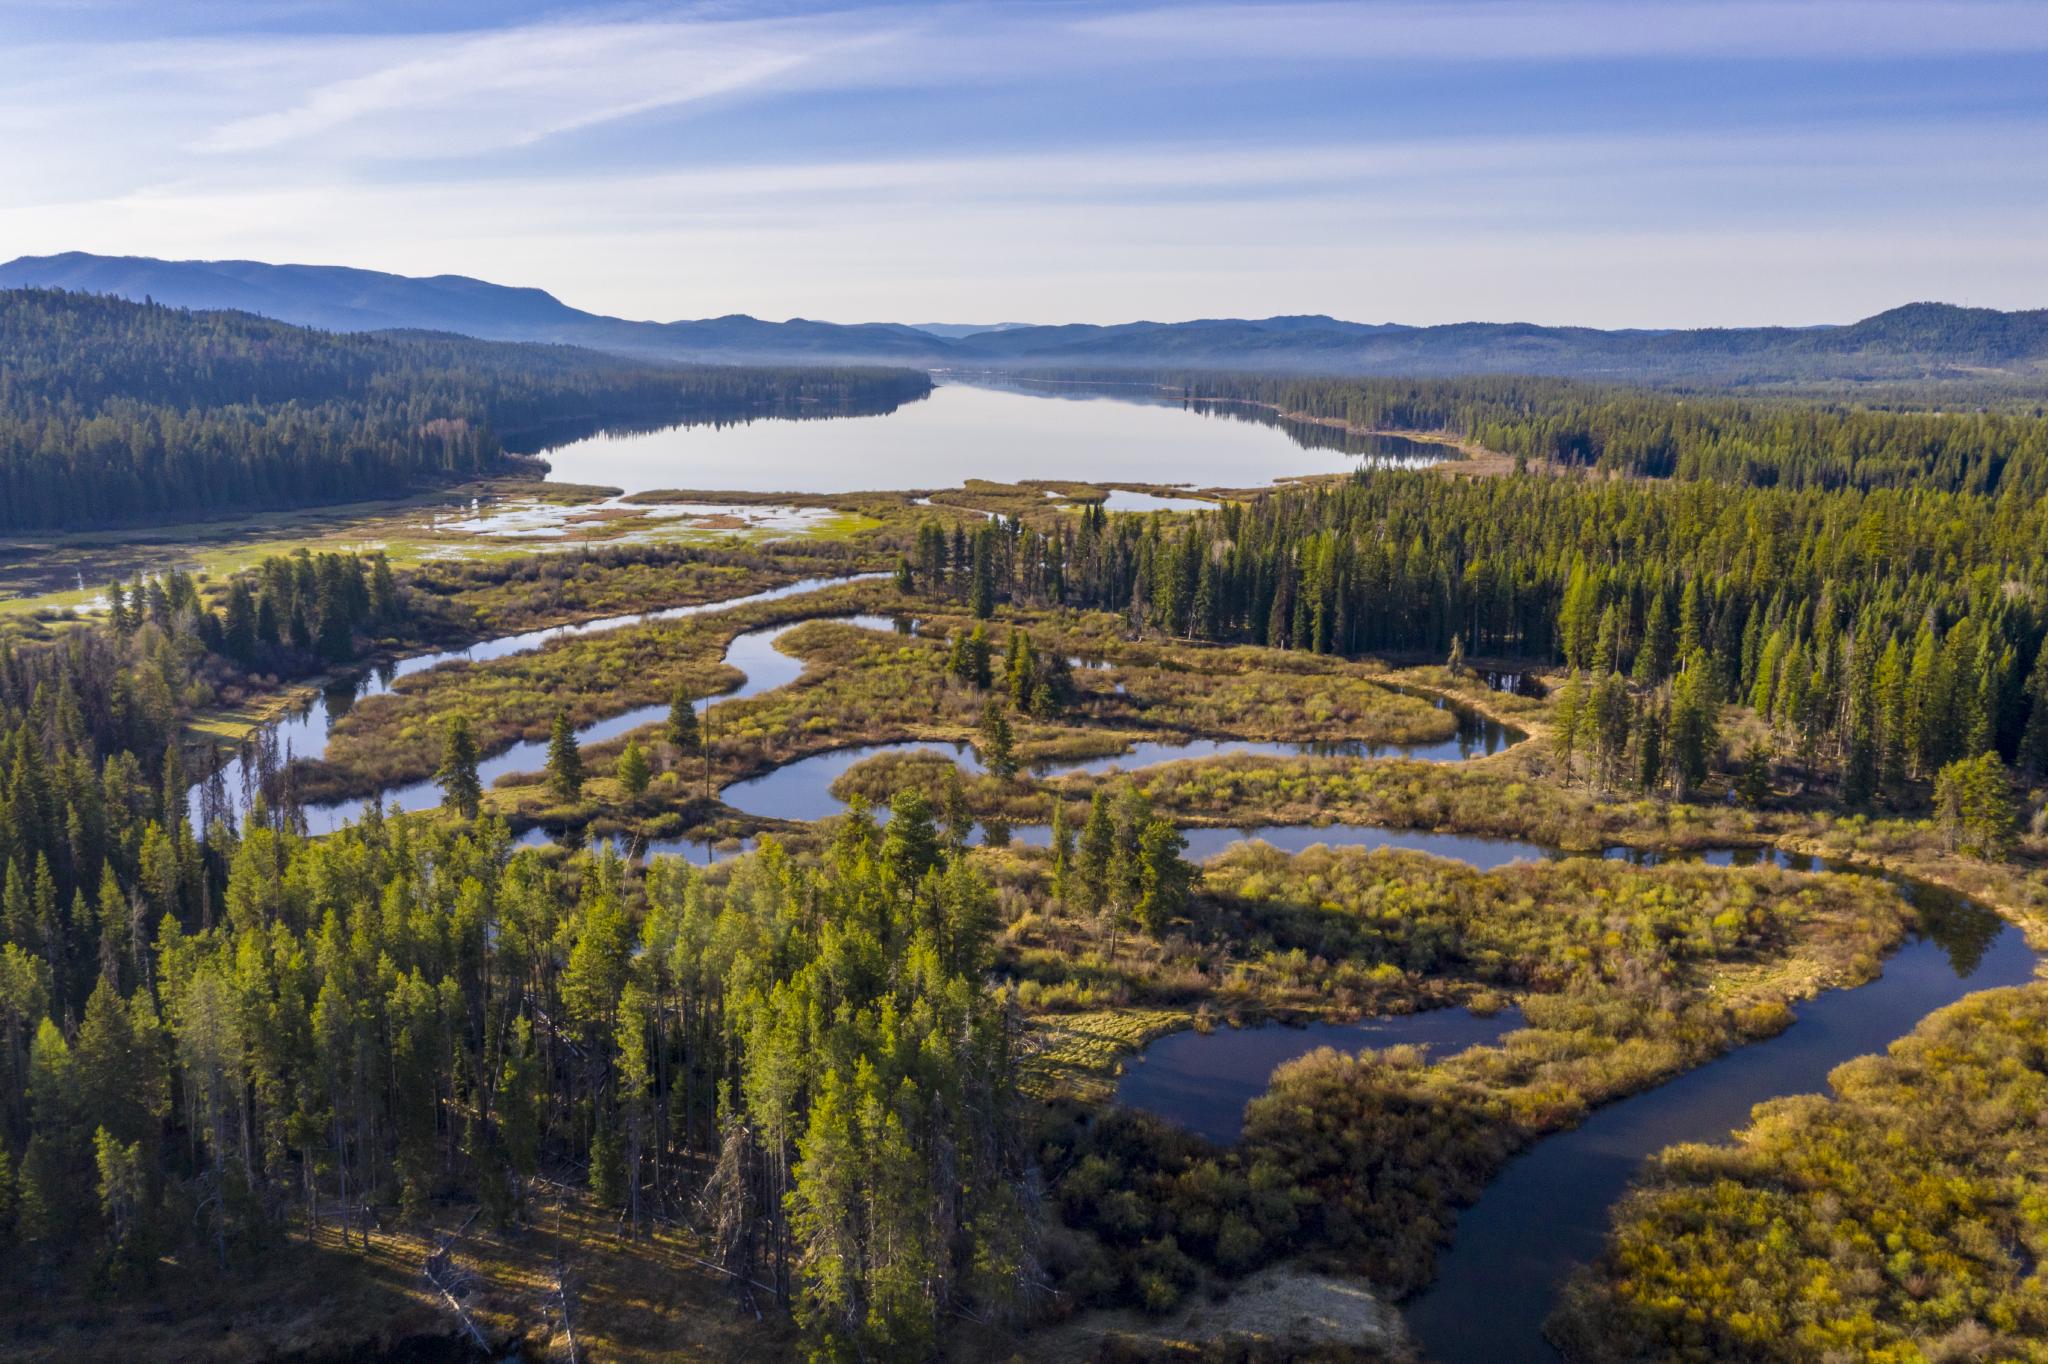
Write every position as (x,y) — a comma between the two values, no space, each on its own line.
(1975,808)
(1695,723)
(681,731)
(998,746)
(1098,850)
(1062,842)
(982,592)
(910,844)
(565,760)
(955,812)
(1692,624)
(1164,876)
(1891,684)
(633,770)
(2033,752)
(1653,655)
(1566,722)
(462,788)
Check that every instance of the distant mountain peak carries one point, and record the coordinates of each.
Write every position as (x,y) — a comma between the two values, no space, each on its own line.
(1910,341)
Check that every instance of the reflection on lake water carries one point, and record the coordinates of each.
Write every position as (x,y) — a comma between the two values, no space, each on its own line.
(978,430)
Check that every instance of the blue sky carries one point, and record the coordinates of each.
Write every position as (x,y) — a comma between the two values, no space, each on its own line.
(1605,162)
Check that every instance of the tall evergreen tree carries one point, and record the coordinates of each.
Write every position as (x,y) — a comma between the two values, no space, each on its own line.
(565,760)
(462,788)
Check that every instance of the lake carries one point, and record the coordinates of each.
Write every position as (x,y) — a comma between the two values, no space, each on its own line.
(985,430)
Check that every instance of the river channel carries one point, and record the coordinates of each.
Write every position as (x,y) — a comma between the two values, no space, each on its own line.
(1548,1210)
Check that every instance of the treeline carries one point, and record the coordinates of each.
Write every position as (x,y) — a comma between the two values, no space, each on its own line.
(114,412)
(1884,634)
(96,843)
(1897,1219)
(805,1060)
(209,1042)
(1761,442)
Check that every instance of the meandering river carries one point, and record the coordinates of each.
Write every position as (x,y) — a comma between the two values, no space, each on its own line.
(1548,1209)
(304,732)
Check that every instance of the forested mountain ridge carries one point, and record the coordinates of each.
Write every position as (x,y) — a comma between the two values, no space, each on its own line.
(1917,341)
(114,412)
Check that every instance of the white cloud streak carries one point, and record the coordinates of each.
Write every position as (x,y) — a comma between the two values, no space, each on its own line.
(445,152)
(443,96)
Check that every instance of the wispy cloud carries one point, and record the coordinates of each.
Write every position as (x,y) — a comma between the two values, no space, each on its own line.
(1725,160)
(450,95)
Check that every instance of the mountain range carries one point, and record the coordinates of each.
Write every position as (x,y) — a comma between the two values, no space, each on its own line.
(1917,341)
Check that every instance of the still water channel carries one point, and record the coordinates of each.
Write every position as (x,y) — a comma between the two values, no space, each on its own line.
(1548,1210)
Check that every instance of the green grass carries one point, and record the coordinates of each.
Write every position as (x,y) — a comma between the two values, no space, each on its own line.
(1081,1055)
(40,575)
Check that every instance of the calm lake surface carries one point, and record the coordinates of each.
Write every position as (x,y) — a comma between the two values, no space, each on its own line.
(980,430)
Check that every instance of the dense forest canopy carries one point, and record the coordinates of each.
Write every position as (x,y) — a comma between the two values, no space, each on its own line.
(1885,633)
(1791,442)
(216,1031)
(119,413)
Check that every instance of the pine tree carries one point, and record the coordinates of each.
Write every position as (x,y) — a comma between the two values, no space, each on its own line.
(1098,850)
(1653,656)
(1565,724)
(910,845)
(1613,713)
(1753,786)
(633,770)
(1975,808)
(955,811)
(998,746)
(117,610)
(384,604)
(1926,738)
(1607,643)
(1062,841)
(1578,618)
(116,1075)
(1849,691)
(982,593)
(1649,736)
(1891,685)
(462,789)
(1692,623)
(519,1104)
(1164,876)
(1695,724)
(2033,753)
(565,760)
(1022,670)
(682,732)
